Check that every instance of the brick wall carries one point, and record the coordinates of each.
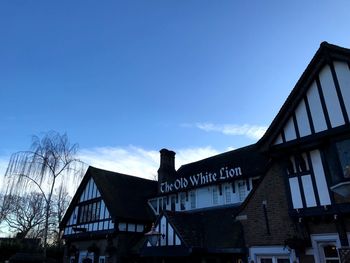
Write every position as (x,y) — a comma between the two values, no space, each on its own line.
(271,191)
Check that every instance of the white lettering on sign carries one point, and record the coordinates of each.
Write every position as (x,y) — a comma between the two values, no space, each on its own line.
(200,179)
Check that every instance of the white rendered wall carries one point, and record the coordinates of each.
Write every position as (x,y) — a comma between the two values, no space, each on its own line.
(302,119)
(90,191)
(289,130)
(308,191)
(295,191)
(318,118)
(321,183)
(343,75)
(331,97)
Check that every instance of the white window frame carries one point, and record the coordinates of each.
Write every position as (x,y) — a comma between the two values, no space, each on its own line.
(228,196)
(274,252)
(320,240)
(242,190)
(273,258)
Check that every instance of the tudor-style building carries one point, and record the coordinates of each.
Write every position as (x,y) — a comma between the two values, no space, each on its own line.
(196,206)
(106,219)
(283,199)
(309,146)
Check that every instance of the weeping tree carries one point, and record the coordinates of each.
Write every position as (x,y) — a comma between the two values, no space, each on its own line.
(60,203)
(50,162)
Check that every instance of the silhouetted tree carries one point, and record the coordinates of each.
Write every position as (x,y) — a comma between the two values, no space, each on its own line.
(26,215)
(50,161)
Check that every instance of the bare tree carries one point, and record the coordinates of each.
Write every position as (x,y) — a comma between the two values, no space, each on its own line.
(5,206)
(26,215)
(51,160)
(60,204)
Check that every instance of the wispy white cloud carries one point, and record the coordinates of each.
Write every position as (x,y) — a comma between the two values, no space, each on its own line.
(254,132)
(3,166)
(138,161)
(131,160)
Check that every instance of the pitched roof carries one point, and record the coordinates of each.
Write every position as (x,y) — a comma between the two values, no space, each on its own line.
(324,54)
(209,229)
(249,158)
(124,195)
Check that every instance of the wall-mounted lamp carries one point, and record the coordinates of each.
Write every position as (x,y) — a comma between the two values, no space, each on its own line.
(153,236)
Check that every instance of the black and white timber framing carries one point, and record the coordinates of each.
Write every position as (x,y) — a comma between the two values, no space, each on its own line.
(194,208)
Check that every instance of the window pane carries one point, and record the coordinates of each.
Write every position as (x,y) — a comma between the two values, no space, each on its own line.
(343,148)
(89,212)
(283,260)
(215,195)
(228,194)
(330,251)
(241,191)
(182,201)
(266,260)
(193,199)
(173,199)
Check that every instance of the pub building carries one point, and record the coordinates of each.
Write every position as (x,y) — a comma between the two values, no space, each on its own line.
(195,206)
(283,199)
(300,210)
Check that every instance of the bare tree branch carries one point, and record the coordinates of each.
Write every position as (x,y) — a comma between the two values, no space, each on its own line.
(50,160)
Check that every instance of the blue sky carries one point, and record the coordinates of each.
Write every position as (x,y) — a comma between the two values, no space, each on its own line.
(127,78)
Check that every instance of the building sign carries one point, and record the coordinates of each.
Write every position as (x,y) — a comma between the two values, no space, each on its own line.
(199,179)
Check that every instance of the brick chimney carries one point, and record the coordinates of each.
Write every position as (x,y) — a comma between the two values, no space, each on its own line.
(166,171)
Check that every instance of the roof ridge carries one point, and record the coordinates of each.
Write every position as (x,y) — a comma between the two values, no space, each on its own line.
(121,174)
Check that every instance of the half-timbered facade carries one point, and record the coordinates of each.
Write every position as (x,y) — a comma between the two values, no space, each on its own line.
(196,203)
(309,142)
(283,199)
(107,217)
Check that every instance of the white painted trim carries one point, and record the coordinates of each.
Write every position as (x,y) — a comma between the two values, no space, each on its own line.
(317,239)
(321,183)
(256,251)
(308,190)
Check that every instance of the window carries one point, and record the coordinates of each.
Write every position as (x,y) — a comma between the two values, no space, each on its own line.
(343,149)
(273,259)
(193,199)
(182,201)
(228,191)
(330,254)
(162,204)
(241,190)
(89,212)
(215,195)
(173,199)
(102,259)
(165,202)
